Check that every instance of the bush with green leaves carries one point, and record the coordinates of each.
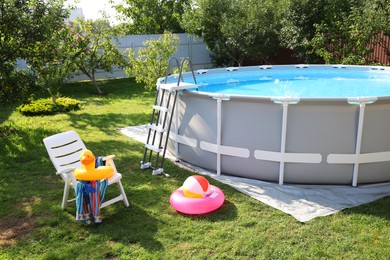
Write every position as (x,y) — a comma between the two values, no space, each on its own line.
(47,107)
(151,62)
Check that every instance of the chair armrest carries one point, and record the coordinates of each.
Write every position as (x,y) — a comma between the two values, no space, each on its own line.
(108,157)
(68,176)
(66,171)
(110,162)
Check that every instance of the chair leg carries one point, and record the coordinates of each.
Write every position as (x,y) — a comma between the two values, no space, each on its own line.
(123,194)
(65,195)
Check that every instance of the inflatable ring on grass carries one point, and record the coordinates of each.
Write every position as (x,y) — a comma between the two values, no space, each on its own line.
(197,196)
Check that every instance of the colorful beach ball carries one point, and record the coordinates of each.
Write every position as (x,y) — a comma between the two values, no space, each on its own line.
(196,186)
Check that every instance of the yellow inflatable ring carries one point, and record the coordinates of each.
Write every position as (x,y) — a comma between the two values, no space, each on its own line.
(88,172)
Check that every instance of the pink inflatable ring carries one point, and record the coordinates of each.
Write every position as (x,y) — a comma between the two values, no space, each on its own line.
(195,206)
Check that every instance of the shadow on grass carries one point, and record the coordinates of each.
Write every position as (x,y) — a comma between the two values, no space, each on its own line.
(22,146)
(379,208)
(227,212)
(106,122)
(6,111)
(125,88)
(128,226)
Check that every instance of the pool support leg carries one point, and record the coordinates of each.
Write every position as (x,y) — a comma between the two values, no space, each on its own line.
(283,141)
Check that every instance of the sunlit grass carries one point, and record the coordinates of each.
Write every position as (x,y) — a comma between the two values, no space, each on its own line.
(33,226)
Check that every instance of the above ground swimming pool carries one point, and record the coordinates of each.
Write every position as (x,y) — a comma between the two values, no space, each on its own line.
(306,124)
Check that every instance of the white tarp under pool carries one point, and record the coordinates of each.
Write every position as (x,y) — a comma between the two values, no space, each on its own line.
(303,202)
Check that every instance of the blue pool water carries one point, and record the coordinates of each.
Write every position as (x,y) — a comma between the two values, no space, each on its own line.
(302,83)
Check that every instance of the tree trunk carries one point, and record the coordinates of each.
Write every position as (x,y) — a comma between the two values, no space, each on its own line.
(54,99)
(100,92)
(92,77)
(95,83)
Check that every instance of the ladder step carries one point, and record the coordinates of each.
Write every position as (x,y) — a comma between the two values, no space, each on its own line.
(153,148)
(162,109)
(156,128)
(175,86)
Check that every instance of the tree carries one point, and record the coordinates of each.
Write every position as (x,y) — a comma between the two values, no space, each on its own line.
(93,48)
(342,36)
(250,28)
(152,16)
(23,25)
(377,16)
(234,30)
(332,30)
(151,62)
(298,19)
(54,60)
(203,19)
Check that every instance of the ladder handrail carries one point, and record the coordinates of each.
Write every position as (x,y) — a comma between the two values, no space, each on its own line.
(181,69)
(169,66)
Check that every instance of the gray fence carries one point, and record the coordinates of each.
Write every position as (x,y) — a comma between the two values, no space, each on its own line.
(191,47)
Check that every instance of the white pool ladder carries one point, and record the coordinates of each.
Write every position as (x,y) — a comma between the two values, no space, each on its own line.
(161,118)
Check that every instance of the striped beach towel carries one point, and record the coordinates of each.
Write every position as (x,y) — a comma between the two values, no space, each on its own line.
(89,197)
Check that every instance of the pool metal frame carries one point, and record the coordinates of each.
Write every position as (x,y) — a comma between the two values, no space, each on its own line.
(187,143)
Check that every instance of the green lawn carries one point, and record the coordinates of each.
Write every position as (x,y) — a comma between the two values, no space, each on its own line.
(33,226)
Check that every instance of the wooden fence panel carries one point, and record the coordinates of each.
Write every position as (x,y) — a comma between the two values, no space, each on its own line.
(381,50)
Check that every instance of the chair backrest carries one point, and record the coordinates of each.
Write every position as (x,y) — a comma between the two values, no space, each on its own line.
(64,150)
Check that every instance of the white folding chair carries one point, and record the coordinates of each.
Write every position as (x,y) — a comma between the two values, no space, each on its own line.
(64,150)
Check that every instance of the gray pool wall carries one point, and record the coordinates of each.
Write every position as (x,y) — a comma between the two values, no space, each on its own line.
(285,140)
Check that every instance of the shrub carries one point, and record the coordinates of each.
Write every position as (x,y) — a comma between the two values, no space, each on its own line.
(47,107)
(151,62)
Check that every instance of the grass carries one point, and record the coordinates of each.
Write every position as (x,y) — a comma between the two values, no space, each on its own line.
(33,226)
